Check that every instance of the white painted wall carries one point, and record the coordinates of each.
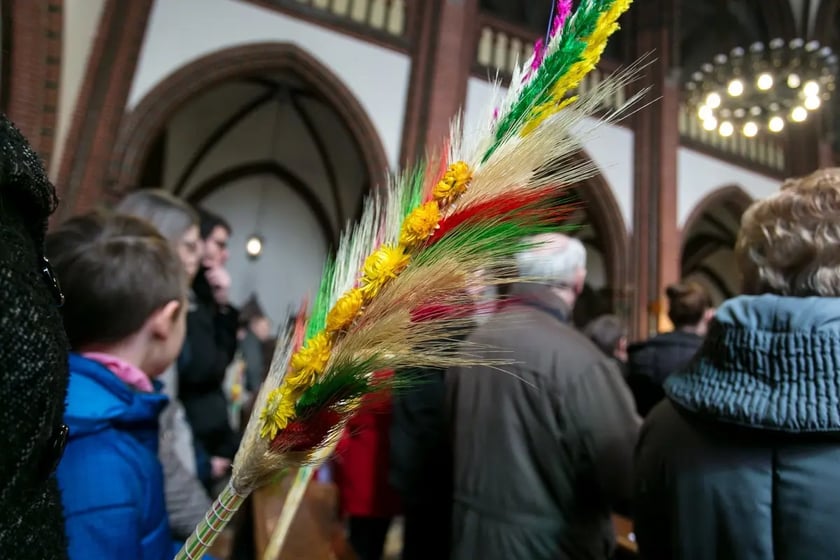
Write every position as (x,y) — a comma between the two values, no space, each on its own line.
(699,175)
(611,148)
(181,31)
(81,21)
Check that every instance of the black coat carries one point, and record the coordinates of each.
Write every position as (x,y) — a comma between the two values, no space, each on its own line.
(33,361)
(651,362)
(541,452)
(743,460)
(208,349)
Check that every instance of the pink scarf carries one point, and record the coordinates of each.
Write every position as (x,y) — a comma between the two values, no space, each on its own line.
(129,374)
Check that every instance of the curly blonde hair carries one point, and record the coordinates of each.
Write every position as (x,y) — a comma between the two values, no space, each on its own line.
(789,244)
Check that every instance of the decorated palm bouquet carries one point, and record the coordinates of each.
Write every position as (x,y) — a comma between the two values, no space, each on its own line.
(455,219)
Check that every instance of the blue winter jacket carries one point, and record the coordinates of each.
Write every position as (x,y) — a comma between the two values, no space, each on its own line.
(110,478)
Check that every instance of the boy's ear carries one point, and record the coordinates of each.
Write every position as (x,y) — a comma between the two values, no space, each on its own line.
(164,319)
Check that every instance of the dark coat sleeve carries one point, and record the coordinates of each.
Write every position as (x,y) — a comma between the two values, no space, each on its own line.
(604,413)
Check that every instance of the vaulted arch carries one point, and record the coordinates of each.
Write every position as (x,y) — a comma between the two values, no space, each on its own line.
(144,124)
(709,239)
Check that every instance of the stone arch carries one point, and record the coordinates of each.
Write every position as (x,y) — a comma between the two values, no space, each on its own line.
(141,127)
(708,240)
(604,215)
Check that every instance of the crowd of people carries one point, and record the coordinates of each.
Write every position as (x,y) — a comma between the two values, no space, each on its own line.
(719,437)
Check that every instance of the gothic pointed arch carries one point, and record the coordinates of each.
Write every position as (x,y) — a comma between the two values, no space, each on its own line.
(142,127)
(603,230)
(708,241)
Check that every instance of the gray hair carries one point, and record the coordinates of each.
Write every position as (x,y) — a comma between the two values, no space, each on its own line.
(169,214)
(552,258)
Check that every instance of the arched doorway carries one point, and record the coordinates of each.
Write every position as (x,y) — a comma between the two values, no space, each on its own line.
(709,239)
(271,140)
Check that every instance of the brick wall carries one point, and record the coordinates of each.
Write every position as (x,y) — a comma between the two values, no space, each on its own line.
(35,69)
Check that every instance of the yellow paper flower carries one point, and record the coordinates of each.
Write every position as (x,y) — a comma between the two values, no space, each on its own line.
(309,362)
(420,224)
(279,409)
(454,182)
(345,310)
(381,266)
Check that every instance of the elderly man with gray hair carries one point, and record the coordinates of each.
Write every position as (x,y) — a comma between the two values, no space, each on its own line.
(543,450)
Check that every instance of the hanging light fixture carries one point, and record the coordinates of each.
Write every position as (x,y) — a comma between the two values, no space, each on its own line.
(760,89)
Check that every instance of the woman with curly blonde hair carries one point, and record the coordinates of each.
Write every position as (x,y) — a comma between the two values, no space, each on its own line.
(743,458)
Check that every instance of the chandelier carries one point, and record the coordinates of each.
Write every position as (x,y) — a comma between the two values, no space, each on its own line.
(762,88)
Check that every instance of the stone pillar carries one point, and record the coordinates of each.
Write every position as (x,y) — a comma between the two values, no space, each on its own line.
(444,47)
(655,246)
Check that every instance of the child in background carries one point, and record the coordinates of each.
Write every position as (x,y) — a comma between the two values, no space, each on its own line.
(125,317)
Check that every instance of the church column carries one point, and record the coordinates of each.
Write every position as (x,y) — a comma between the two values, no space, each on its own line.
(655,246)
(442,56)
(101,104)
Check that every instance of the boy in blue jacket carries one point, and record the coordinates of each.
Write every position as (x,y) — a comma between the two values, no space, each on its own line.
(125,319)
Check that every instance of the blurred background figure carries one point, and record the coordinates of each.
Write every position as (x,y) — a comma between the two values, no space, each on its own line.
(255,332)
(210,346)
(186,498)
(609,334)
(652,361)
(542,451)
(741,460)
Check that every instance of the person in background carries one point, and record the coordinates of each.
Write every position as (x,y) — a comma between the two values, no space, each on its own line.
(420,451)
(255,332)
(125,318)
(609,334)
(33,359)
(650,362)
(186,498)
(210,346)
(542,450)
(360,471)
(741,460)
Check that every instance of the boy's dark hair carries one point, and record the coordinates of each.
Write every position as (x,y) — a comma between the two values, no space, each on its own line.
(208,221)
(687,302)
(116,271)
(605,331)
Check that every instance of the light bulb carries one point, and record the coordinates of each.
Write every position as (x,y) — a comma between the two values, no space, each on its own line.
(735,88)
(704,112)
(750,129)
(776,124)
(798,114)
(812,103)
(726,129)
(811,89)
(713,100)
(254,246)
(764,81)
(710,123)
(793,81)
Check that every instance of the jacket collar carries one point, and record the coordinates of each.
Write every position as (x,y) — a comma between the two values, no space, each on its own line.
(541,297)
(97,398)
(768,362)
